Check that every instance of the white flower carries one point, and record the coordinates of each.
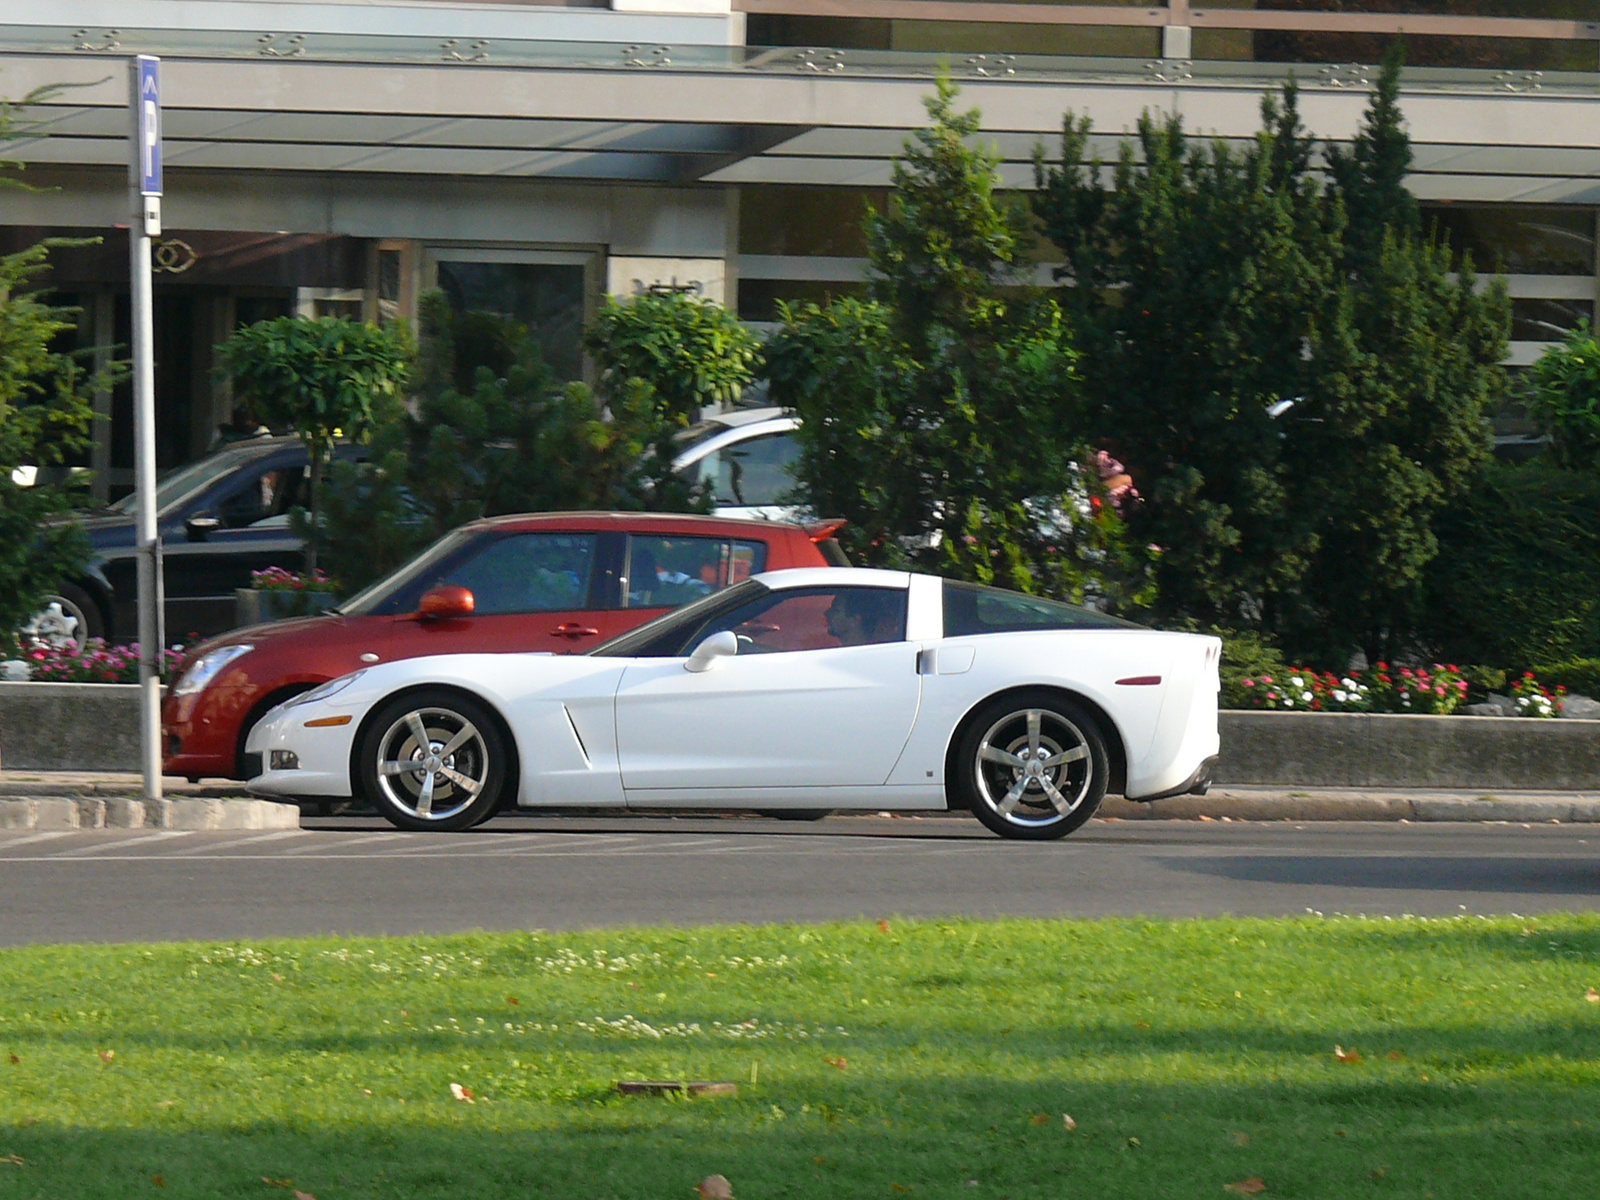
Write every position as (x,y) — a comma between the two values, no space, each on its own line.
(1296,681)
(1340,696)
(1306,696)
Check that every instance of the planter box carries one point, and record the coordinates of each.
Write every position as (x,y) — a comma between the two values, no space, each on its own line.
(95,727)
(69,727)
(1380,750)
(251,606)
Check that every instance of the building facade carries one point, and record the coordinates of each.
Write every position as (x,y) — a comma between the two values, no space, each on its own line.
(332,156)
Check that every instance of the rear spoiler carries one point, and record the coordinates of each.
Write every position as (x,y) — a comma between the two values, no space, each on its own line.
(821,533)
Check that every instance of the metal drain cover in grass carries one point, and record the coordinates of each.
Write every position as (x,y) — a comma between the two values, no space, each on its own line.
(663,1087)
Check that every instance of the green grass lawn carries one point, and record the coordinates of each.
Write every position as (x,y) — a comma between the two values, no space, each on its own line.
(925,1059)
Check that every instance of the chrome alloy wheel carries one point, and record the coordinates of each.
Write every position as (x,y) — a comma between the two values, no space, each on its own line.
(1033,767)
(432,763)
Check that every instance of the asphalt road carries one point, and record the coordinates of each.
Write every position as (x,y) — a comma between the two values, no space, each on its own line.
(359,876)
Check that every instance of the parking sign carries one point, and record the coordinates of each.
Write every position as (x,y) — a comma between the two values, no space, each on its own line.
(149,102)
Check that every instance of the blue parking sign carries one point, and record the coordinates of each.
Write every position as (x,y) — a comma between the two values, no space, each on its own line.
(149,125)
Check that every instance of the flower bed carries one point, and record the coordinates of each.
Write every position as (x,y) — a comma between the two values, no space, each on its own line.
(1436,692)
(95,663)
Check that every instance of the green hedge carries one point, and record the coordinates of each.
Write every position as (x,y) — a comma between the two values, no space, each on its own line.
(1580,675)
(1516,581)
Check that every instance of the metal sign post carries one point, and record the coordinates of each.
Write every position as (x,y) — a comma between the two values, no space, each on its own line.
(144,187)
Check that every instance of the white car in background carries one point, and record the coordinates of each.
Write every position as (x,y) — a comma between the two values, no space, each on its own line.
(798,692)
(746,460)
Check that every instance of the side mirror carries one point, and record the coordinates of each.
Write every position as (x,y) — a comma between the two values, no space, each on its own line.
(446,603)
(718,645)
(200,528)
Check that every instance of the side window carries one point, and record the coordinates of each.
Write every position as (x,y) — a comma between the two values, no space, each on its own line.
(521,573)
(269,495)
(814,619)
(758,471)
(664,572)
(971,608)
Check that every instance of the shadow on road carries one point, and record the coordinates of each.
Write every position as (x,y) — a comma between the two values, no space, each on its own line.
(1536,876)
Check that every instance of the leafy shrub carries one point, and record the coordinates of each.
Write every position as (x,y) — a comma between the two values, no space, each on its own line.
(95,663)
(1581,675)
(1435,692)
(276,579)
(1246,656)
(1533,699)
(1517,578)
(1565,399)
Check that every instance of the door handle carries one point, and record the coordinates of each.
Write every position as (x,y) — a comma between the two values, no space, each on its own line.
(573,630)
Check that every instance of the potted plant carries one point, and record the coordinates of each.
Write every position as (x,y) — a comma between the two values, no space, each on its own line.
(276,594)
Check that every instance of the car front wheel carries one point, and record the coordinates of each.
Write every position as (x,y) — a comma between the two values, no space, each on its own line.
(433,760)
(1032,766)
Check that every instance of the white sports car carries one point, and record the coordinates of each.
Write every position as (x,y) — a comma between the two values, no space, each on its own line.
(797,692)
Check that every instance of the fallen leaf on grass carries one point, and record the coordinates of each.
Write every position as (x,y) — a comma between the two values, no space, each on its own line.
(277,1183)
(1241,1139)
(461,1093)
(276,978)
(1066,1120)
(1380,1172)
(15,1060)
(1134,1143)
(820,1160)
(512,1000)
(366,1091)
(107,1055)
(1592,996)
(304,1196)
(1395,1056)
(165,1103)
(901,1187)
(883,927)
(405,1012)
(1253,1186)
(1351,1055)
(715,1187)
(840,1063)
(158,1180)
(16,1160)
(1040,1119)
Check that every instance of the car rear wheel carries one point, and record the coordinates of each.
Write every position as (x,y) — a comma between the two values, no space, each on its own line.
(433,760)
(1032,766)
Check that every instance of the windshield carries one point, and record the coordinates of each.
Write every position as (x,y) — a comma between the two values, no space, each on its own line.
(365,602)
(676,627)
(179,485)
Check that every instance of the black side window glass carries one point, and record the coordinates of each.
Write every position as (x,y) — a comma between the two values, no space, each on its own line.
(516,573)
(970,608)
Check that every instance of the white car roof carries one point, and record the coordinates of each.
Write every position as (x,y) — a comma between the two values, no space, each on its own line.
(748,416)
(798,577)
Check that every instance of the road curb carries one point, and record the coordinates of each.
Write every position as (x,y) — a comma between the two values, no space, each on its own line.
(1238,805)
(124,812)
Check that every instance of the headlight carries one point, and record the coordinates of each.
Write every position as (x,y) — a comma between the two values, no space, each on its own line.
(205,668)
(326,690)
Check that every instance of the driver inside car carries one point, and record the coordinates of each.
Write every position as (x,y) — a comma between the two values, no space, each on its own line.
(863,617)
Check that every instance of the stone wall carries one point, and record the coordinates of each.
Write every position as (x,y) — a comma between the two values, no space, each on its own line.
(94,727)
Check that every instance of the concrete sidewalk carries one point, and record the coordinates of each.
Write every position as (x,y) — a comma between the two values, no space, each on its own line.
(1223,803)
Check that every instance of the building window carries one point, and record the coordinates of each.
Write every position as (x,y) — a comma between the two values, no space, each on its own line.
(1522,239)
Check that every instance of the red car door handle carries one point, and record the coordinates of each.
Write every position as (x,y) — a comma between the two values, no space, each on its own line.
(573,630)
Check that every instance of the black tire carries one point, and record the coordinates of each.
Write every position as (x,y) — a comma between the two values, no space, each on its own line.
(797,814)
(993,772)
(463,788)
(76,606)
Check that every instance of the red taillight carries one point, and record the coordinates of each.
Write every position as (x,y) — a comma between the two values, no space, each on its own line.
(1140,681)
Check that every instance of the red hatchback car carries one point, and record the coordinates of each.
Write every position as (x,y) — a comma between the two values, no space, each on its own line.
(563,582)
